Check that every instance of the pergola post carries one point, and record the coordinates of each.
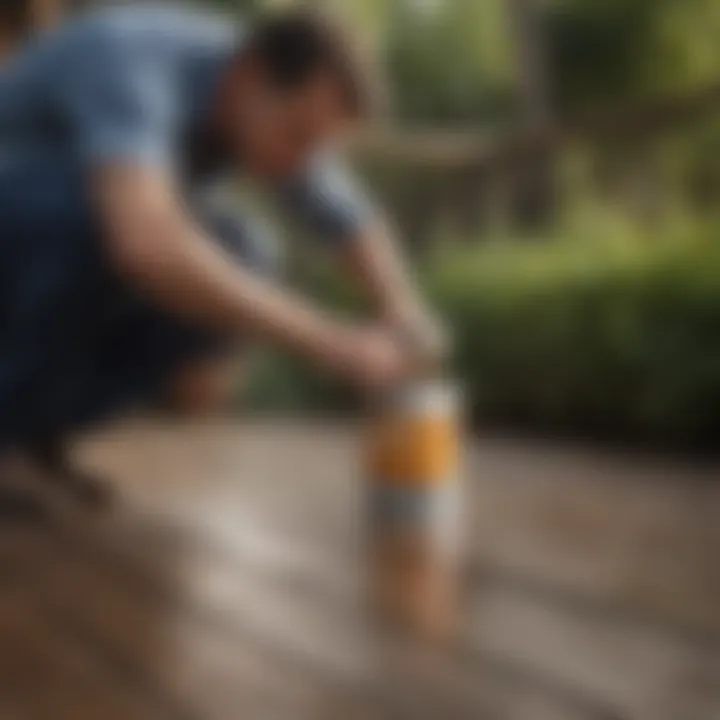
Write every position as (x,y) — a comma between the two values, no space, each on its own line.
(535,191)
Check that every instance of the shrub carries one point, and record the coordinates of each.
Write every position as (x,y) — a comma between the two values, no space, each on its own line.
(605,339)
(582,334)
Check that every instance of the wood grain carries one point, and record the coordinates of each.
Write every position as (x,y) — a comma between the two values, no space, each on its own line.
(231,581)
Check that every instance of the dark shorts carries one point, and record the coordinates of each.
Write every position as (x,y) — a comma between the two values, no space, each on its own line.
(77,345)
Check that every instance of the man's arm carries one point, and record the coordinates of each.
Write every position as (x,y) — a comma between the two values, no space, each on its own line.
(155,244)
(331,204)
(120,95)
(372,255)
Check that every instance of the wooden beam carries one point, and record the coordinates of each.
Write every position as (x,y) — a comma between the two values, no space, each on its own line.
(485,150)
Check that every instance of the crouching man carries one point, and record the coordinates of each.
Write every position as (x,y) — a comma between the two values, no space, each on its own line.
(114,290)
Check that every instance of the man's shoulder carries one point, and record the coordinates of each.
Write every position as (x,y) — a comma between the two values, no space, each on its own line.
(160,27)
(109,38)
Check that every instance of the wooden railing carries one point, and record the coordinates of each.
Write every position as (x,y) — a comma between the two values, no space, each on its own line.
(498,150)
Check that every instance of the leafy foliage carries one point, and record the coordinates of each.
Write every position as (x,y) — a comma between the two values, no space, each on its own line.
(608,51)
(595,332)
(618,337)
(451,63)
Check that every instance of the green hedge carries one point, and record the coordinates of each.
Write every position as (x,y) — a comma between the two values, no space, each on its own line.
(619,338)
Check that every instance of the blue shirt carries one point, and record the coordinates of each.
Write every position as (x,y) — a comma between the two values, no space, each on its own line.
(77,344)
(129,83)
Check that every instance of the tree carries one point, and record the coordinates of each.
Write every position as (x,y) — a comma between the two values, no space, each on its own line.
(450,62)
(610,51)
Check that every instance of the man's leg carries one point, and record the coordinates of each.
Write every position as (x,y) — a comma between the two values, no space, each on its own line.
(17,504)
(205,387)
(201,388)
(171,367)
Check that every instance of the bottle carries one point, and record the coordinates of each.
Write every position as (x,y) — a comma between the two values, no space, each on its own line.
(413,469)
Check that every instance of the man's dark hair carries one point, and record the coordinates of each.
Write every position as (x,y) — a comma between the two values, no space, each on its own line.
(294,45)
(15,16)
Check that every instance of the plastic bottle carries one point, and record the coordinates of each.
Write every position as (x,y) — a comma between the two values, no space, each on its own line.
(413,469)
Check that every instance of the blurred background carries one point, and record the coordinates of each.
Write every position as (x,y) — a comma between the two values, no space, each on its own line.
(552,167)
(553,170)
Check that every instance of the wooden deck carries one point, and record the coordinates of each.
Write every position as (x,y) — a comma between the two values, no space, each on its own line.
(228,583)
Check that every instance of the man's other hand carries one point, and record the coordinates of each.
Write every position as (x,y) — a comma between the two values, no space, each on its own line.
(373,358)
(423,333)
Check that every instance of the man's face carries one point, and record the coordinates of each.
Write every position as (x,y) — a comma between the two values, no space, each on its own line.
(278,131)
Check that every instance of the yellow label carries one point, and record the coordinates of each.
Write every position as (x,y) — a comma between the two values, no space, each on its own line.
(415,451)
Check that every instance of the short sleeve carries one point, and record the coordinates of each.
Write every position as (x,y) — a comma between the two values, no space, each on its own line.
(120,102)
(329,201)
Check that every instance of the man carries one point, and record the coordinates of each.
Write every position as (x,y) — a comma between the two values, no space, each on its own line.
(112,285)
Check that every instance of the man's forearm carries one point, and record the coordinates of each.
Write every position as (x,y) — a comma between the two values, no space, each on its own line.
(159,249)
(190,275)
(154,243)
(376,261)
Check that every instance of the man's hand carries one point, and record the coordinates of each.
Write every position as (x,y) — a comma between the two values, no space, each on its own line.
(375,357)
(375,260)
(423,333)
(158,248)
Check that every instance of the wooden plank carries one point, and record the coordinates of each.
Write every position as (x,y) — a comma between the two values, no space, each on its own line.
(293,611)
(152,636)
(567,546)
(634,672)
(52,676)
(444,686)
(513,150)
(634,534)
(340,649)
